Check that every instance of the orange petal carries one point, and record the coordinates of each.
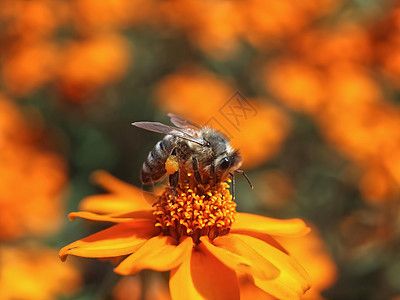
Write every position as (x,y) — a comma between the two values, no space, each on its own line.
(234,253)
(248,291)
(258,224)
(292,281)
(139,214)
(121,218)
(111,183)
(125,197)
(160,253)
(266,238)
(203,276)
(114,203)
(120,239)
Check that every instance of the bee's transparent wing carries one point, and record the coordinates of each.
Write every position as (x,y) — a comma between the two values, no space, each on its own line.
(162,128)
(183,123)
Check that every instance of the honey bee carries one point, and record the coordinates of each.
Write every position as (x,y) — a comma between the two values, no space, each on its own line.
(189,149)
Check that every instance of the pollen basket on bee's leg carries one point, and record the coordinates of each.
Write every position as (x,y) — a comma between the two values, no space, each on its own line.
(197,210)
(171,165)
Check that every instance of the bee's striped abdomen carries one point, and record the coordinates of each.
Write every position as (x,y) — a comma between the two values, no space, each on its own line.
(153,168)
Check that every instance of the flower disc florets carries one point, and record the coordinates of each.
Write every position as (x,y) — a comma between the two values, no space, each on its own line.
(196,210)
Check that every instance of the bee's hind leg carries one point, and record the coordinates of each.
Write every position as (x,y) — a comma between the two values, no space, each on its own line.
(172,168)
(173,182)
(196,170)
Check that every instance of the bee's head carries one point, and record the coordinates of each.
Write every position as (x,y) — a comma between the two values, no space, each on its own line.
(228,164)
(223,157)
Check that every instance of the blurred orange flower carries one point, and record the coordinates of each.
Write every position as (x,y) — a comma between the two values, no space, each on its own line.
(268,21)
(29,67)
(351,132)
(347,104)
(133,288)
(193,87)
(35,273)
(29,58)
(384,35)
(214,27)
(217,28)
(347,42)
(93,15)
(33,20)
(91,64)
(128,288)
(260,137)
(297,84)
(36,208)
(199,237)
(318,91)
(377,184)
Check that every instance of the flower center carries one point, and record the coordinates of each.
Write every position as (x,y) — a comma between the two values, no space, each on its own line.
(197,210)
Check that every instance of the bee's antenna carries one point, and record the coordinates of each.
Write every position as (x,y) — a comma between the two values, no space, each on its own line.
(245,176)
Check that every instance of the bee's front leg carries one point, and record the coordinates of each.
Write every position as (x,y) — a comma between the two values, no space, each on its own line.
(233,185)
(196,169)
(213,173)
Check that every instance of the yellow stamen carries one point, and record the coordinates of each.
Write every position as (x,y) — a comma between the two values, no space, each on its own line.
(197,210)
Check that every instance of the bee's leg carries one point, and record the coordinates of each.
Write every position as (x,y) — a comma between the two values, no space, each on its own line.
(196,169)
(233,186)
(173,182)
(213,174)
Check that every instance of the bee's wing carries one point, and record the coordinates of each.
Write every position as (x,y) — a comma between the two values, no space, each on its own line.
(183,123)
(162,128)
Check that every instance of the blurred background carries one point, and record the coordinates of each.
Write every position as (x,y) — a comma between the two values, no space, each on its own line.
(308,91)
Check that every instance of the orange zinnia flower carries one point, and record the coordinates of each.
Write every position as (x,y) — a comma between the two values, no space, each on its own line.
(91,64)
(33,272)
(107,15)
(213,27)
(209,247)
(37,208)
(133,288)
(29,66)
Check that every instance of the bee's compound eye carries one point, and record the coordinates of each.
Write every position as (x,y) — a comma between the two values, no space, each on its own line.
(225,164)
